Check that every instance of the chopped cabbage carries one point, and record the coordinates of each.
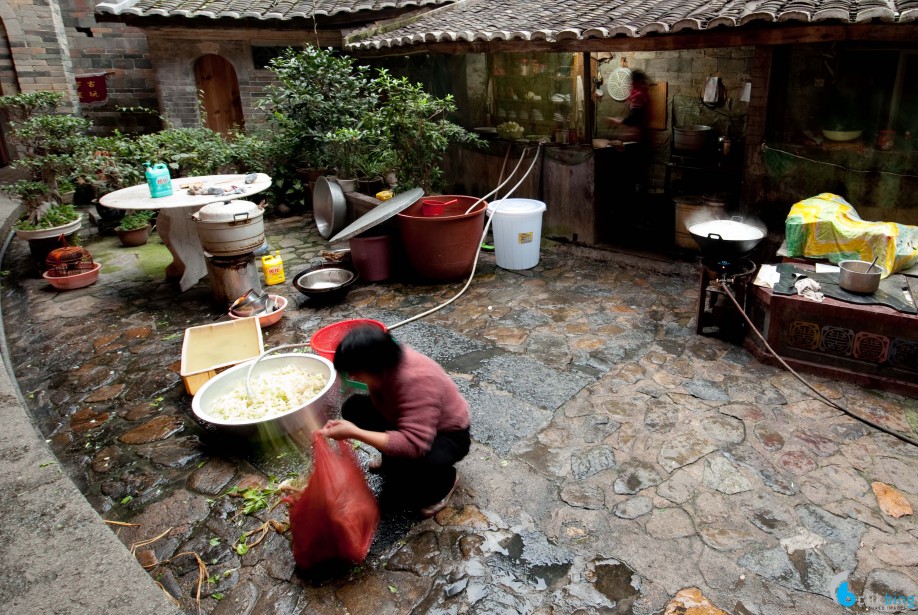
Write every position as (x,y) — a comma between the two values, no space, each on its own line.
(273,394)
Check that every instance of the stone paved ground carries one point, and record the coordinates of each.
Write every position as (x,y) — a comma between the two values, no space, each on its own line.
(619,458)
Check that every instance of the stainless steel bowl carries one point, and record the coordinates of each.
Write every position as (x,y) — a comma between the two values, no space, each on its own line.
(326,281)
(853,277)
(249,304)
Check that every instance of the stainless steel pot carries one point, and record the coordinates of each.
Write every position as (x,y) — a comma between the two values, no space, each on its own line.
(859,277)
(230,229)
(691,138)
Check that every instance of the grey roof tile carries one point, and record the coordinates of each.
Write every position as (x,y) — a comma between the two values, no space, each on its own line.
(487,20)
(260,9)
(547,20)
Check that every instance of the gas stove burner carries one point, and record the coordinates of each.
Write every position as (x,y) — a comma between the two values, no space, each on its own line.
(728,268)
(716,313)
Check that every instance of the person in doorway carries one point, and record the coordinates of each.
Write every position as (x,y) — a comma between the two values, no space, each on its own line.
(414,415)
(637,121)
(635,127)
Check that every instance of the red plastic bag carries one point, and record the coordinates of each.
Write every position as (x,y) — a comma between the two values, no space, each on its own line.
(335,516)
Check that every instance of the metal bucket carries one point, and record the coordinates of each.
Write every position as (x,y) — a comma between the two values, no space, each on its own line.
(691,210)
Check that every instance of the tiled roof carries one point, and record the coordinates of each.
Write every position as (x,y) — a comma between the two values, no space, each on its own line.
(255,9)
(553,20)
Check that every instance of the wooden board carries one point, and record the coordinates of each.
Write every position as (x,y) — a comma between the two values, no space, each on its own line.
(657,93)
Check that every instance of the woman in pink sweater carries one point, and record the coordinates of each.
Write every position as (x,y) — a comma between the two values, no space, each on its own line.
(414,415)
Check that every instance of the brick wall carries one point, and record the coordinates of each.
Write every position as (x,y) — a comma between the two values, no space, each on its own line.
(37,47)
(122,52)
(174,52)
(685,73)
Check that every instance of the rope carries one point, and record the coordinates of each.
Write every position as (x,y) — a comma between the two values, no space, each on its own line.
(766,148)
(822,397)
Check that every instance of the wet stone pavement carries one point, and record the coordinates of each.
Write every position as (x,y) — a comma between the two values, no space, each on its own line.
(621,463)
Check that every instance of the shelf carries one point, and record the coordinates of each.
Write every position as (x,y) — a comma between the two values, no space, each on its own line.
(543,75)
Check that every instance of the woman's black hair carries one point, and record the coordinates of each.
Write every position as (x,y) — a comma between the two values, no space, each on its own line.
(639,76)
(367,349)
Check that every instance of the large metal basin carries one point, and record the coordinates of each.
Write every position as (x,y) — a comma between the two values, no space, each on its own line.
(304,417)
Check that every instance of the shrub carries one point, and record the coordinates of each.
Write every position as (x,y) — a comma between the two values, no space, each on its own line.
(53,147)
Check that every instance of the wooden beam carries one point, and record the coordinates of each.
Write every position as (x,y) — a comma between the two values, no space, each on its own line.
(326,38)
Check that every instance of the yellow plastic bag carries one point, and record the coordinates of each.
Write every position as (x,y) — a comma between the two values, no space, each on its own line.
(826,226)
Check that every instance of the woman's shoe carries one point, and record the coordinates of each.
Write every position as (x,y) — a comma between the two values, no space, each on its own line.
(433,509)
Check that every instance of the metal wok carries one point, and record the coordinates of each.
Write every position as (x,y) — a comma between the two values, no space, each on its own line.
(726,239)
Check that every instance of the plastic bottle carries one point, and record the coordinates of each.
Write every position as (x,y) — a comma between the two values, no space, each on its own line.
(158,179)
(273,266)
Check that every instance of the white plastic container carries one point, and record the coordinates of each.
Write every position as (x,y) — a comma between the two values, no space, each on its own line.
(517,229)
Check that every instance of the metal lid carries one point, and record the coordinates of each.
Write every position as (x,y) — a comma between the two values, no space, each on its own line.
(231,211)
(329,207)
(379,214)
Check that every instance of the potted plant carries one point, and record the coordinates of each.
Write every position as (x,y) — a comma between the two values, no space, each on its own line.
(135,228)
(109,168)
(372,165)
(341,146)
(415,126)
(52,147)
(345,149)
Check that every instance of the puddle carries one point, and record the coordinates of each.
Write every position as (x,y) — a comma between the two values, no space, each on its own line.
(535,559)
(617,582)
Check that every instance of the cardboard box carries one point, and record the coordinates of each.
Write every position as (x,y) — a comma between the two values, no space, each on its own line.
(209,349)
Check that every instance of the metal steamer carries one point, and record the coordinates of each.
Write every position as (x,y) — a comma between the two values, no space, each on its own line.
(725,269)
(232,234)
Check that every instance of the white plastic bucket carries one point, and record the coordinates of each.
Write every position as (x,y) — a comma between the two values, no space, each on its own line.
(517,229)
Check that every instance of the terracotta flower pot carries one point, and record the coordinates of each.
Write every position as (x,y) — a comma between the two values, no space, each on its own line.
(135,237)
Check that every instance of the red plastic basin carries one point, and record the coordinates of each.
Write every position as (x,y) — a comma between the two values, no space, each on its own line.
(324,342)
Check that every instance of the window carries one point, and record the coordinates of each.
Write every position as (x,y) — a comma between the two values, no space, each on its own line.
(262,56)
(872,90)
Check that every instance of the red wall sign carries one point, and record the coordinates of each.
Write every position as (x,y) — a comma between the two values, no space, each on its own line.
(92,89)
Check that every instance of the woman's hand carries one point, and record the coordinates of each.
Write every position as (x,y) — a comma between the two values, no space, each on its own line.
(339,429)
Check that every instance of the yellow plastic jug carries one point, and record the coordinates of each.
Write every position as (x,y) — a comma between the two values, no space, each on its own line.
(273,266)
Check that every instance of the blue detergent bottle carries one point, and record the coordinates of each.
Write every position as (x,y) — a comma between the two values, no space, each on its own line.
(158,179)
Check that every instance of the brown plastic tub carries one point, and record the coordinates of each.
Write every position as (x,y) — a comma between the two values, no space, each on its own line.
(443,247)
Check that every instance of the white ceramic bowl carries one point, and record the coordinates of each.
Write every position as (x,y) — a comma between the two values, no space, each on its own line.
(303,417)
(841,135)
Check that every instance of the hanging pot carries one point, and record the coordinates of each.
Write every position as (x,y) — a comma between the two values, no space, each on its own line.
(230,229)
